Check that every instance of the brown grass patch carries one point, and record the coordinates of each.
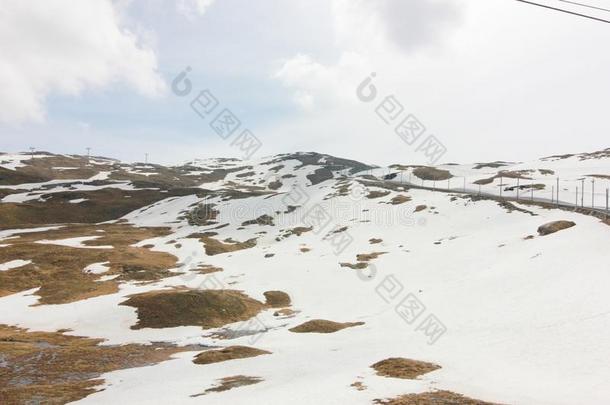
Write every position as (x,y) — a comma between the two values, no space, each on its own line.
(432,173)
(397,367)
(374,241)
(101,206)
(367,257)
(400,199)
(356,266)
(228,353)
(554,226)
(58,270)
(228,383)
(262,220)
(420,208)
(205,308)
(432,398)
(208,269)
(53,368)
(358,385)
(216,247)
(277,299)
(323,326)
(377,194)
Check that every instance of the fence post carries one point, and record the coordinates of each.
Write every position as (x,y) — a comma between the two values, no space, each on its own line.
(576,197)
(532,188)
(517,188)
(582,194)
(552,194)
(592,193)
(607,195)
(557,198)
(464,183)
(501,181)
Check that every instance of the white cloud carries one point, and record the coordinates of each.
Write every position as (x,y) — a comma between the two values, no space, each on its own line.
(64,47)
(191,8)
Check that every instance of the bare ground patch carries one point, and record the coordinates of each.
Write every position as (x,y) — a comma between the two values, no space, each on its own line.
(228,353)
(277,299)
(58,270)
(397,367)
(554,226)
(205,308)
(228,383)
(215,247)
(53,368)
(432,398)
(323,326)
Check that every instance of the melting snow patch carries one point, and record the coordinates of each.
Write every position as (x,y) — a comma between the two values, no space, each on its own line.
(97,268)
(78,200)
(74,242)
(13,264)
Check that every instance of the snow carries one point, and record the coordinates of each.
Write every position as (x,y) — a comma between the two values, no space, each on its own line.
(78,200)
(13,264)
(6,234)
(97,268)
(74,242)
(526,320)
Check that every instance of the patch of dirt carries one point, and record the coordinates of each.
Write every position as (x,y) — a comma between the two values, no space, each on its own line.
(358,385)
(397,367)
(275,185)
(58,270)
(323,326)
(546,172)
(202,215)
(357,266)
(53,368)
(298,231)
(431,173)
(215,247)
(600,176)
(101,206)
(432,398)
(262,220)
(518,174)
(208,269)
(277,299)
(228,383)
(376,194)
(367,257)
(420,208)
(205,308)
(554,226)
(374,241)
(400,199)
(228,353)
(492,165)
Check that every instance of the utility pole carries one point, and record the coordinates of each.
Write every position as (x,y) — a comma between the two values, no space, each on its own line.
(32,149)
(552,194)
(582,193)
(576,205)
(592,193)
(464,183)
(532,188)
(88,155)
(517,188)
(146,158)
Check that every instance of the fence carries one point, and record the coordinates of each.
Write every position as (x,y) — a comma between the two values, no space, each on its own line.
(590,192)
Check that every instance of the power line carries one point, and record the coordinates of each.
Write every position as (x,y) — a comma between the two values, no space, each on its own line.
(584,5)
(564,11)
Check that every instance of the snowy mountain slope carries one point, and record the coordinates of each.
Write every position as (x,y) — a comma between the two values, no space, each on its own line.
(444,277)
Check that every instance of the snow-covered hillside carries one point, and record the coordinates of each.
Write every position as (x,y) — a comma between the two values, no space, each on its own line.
(454,285)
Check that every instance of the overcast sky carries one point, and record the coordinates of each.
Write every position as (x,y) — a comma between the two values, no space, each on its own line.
(490,79)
